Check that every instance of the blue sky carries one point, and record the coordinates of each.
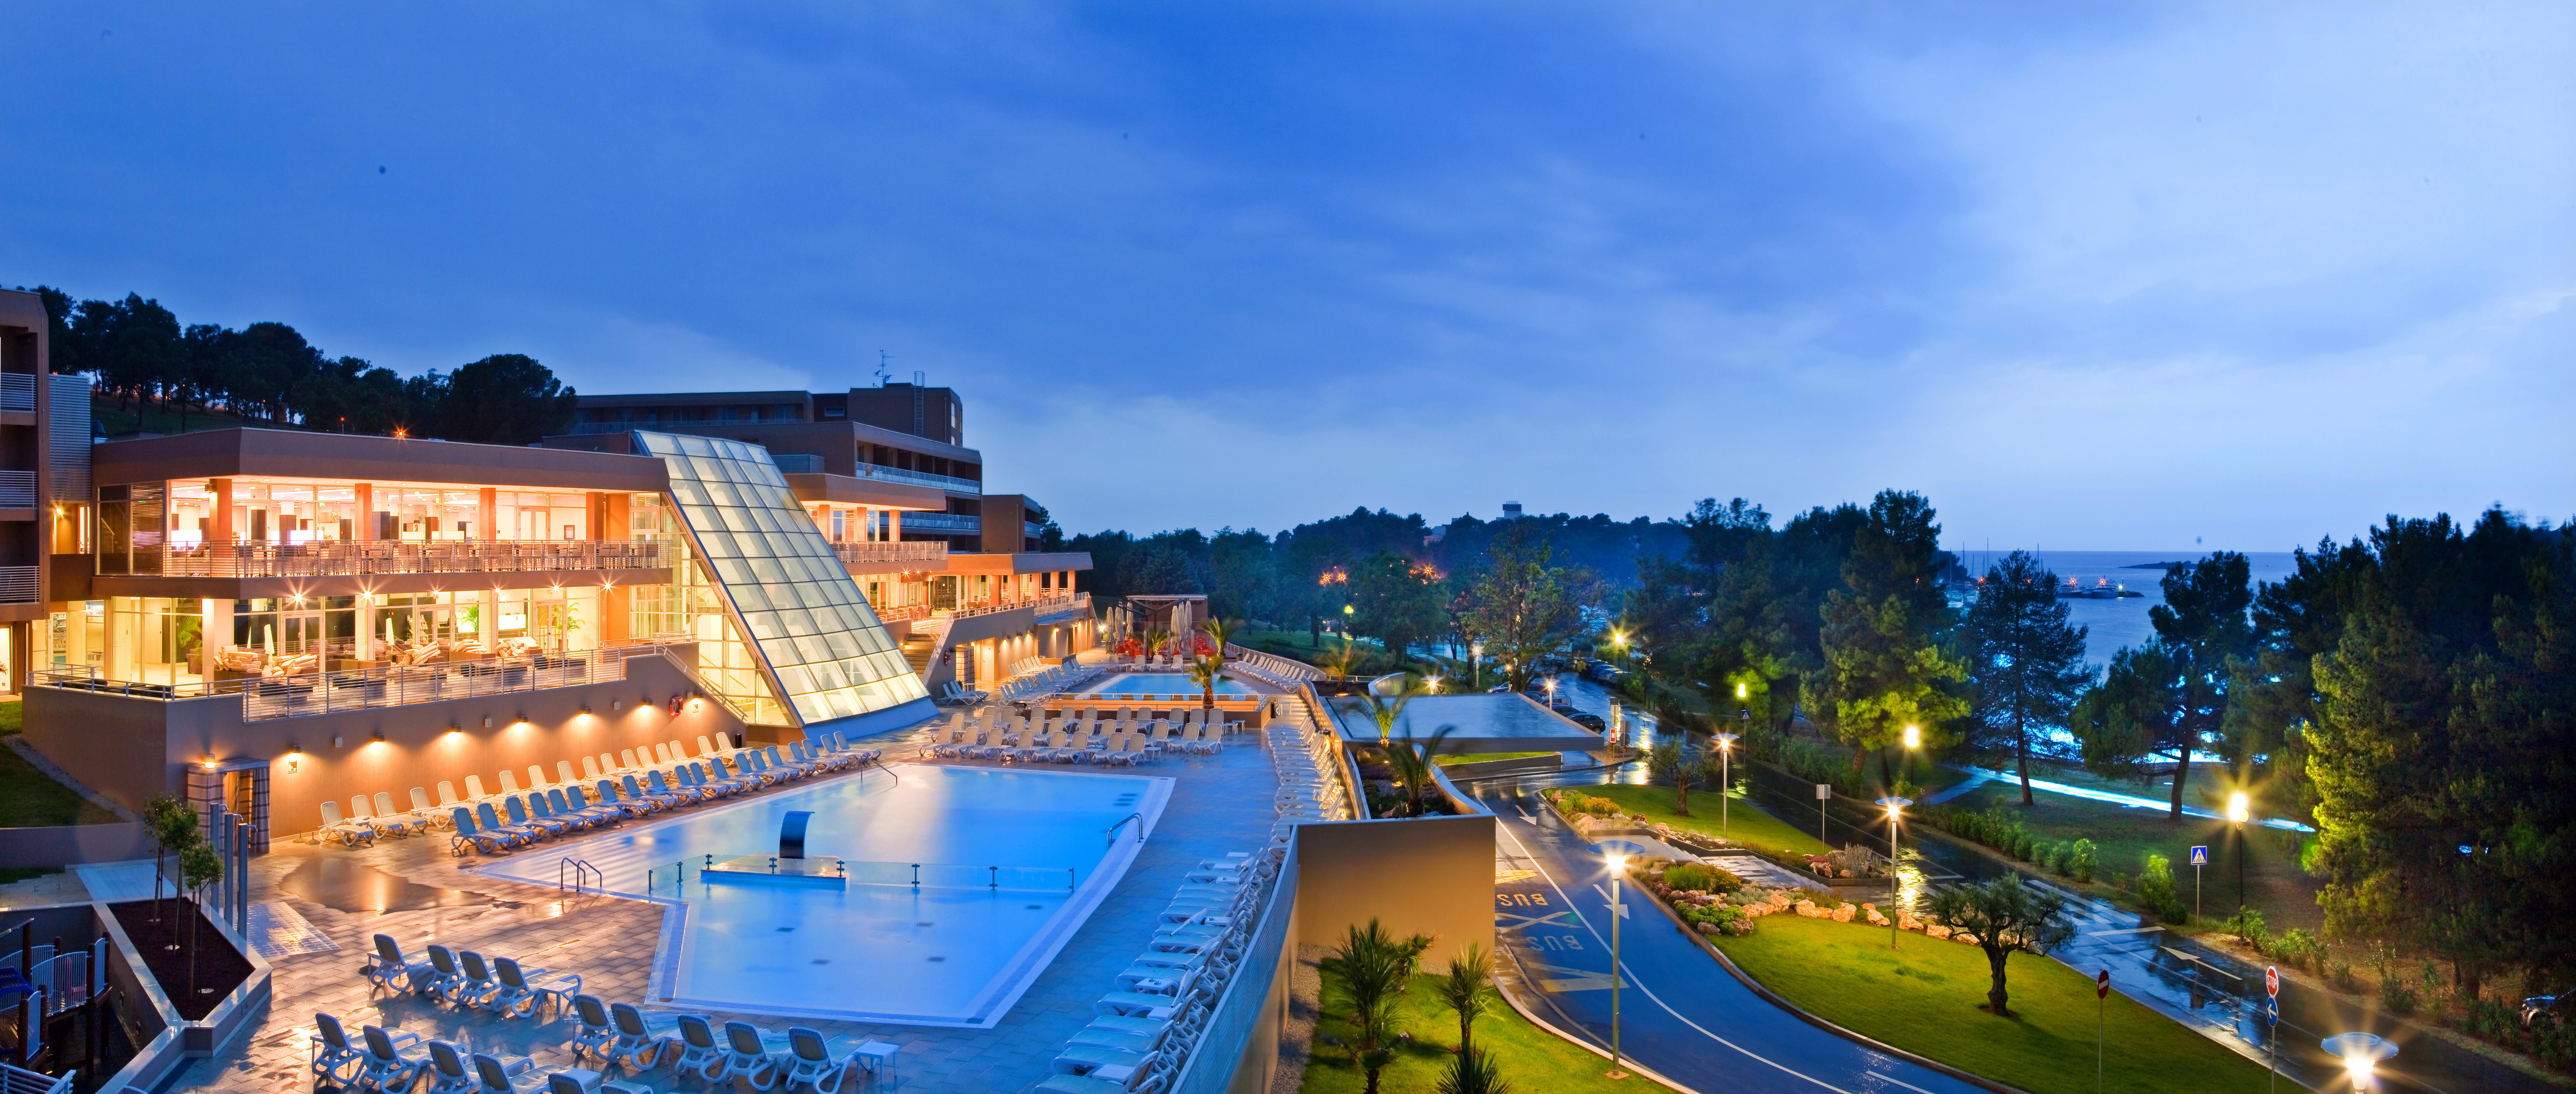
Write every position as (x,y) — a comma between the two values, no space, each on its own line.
(2110,278)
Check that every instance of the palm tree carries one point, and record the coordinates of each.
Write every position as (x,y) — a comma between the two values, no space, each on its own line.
(1465,989)
(1473,1073)
(1385,709)
(1371,968)
(1344,662)
(1208,671)
(1413,764)
(1668,761)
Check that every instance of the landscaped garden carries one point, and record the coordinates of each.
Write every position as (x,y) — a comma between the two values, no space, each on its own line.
(2122,837)
(1529,1058)
(1745,823)
(1925,996)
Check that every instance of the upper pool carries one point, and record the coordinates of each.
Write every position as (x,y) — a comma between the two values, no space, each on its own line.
(1160,683)
(1010,864)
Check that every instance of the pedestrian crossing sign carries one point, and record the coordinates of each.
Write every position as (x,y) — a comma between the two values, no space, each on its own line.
(2200,856)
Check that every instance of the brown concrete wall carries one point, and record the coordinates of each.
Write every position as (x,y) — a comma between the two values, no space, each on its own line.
(131,749)
(1433,875)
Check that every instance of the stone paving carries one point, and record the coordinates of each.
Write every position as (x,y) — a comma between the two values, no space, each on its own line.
(1219,804)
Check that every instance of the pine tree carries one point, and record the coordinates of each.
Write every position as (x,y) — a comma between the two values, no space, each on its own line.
(2026,662)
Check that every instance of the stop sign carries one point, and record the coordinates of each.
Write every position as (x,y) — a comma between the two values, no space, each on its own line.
(2272,981)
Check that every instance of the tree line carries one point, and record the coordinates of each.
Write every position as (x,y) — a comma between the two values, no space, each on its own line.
(2410,693)
(266,374)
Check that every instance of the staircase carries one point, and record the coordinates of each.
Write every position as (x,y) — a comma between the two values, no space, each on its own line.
(918,649)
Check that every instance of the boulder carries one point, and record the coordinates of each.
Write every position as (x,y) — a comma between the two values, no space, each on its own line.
(1964,937)
(1936,931)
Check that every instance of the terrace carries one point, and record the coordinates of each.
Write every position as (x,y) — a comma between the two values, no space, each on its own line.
(238,558)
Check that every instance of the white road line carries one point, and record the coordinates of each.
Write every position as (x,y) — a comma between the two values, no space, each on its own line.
(1677,1015)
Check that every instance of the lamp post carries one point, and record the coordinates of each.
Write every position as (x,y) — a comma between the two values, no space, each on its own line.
(1476,658)
(1894,805)
(1618,870)
(1725,784)
(1913,740)
(2237,810)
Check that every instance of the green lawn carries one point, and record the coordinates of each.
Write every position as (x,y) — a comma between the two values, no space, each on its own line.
(2122,836)
(13,717)
(1928,998)
(1456,758)
(1746,823)
(31,799)
(1531,1059)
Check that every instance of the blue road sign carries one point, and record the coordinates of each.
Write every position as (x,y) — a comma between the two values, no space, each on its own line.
(2200,856)
(2272,1012)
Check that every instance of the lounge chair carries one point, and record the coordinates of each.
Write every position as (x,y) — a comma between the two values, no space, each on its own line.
(564,775)
(1142,1082)
(560,1083)
(482,840)
(514,1077)
(386,1068)
(637,1044)
(658,800)
(589,769)
(1085,1059)
(594,1033)
(335,1060)
(809,1060)
(541,811)
(351,833)
(677,795)
(519,819)
(448,1071)
(447,795)
(474,789)
(750,1056)
(478,989)
(446,978)
(520,997)
(388,968)
(420,807)
(700,1054)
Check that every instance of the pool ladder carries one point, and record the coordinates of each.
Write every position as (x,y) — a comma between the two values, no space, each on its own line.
(582,876)
(1112,831)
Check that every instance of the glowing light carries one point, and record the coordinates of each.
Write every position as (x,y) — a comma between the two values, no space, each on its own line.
(1913,737)
(208,763)
(1740,691)
(2238,808)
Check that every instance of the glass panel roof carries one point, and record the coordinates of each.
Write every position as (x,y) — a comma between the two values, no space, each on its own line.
(818,639)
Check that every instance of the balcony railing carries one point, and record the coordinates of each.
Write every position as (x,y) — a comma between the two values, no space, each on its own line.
(347,558)
(303,694)
(17,488)
(17,391)
(942,522)
(1053,605)
(922,551)
(920,478)
(18,584)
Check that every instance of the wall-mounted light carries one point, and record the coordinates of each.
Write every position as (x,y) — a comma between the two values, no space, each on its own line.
(294,757)
(585,708)
(380,737)
(335,740)
(208,763)
(487,721)
(615,705)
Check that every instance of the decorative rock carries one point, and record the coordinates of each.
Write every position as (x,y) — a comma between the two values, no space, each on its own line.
(1876,918)
(1843,914)
(1936,931)
(1965,937)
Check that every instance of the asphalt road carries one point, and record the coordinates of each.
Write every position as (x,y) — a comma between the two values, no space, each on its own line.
(1682,1015)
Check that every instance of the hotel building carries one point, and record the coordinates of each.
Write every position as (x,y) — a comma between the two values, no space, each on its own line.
(272,619)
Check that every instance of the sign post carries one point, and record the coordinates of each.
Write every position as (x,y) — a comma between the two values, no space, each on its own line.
(1824,793)
(2101,1008)
(2199,858)
(2272,1022)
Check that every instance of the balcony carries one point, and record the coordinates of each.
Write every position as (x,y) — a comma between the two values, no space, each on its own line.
(261,559)
(18,584)
(920,478)
(919,551)
(17,391)
(310,693)
(17,489)
(963,524)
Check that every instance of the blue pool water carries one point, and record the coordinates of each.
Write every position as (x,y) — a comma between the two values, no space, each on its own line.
(1160,683)
(956,950)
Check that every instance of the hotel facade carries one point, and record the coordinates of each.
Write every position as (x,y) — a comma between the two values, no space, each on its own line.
(272,619)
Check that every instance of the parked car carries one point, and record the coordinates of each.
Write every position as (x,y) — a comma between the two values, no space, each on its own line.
(1602,672)
(2543,1010)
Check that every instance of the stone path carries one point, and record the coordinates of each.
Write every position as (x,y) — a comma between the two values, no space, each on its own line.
(1219,804)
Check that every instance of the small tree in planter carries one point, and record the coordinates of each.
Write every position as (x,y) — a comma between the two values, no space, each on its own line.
(200,865)
(2005,915)
(173,827)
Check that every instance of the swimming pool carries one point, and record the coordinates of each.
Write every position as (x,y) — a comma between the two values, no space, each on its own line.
(1160,683)
(1012,863)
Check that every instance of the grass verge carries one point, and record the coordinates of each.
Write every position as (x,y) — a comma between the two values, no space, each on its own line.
(1746,823)
(31,799)
(1928,998)
(1530,1058)
(1455,758)
(2122,837)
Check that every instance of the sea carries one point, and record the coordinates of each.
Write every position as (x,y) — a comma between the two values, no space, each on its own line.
(2111,625)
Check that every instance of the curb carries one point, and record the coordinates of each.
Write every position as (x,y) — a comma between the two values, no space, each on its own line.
(1868,1042)
(1578,1042)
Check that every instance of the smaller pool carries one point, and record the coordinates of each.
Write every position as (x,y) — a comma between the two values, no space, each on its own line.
(1161,683)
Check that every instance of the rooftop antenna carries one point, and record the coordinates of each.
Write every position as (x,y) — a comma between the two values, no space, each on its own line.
(883,374)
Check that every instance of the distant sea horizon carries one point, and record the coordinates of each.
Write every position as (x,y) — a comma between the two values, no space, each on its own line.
(2112,625)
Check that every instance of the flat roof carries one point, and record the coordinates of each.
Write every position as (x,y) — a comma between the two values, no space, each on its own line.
(285,453)
(1484,723)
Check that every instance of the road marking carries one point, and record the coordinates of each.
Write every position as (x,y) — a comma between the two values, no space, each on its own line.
(1618,906)
(1548,920)
(2132,930)
(1677,1015)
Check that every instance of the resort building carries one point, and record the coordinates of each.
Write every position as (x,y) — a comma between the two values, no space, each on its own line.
(359,611)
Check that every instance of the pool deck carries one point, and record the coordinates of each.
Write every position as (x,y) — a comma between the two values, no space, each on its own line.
(1219,804)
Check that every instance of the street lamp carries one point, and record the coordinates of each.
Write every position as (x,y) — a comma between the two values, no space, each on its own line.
(2237,810)
(1476,658)
(2360,1053)
(1434,683)
(1725,784)
(1618,870)
(1894,806)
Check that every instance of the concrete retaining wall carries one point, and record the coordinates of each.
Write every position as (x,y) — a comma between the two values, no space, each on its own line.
(63,845)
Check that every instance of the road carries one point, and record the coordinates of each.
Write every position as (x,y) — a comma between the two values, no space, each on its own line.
(1682,1016)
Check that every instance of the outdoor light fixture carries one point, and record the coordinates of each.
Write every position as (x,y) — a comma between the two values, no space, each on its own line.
(2360,1053)
(1434,682)
(379,738)
(208,763)
(1618,870)
(1725,777)
(2237,809)
(487,721)
(335,740)
(294,757)
(1913,737)
(1894,807)
(1739,691)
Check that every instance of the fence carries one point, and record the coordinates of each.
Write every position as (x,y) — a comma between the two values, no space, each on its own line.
(259,558)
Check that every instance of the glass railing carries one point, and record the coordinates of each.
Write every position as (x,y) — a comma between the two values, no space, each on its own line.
(921,551)
(258,558)
(291,696)
(942,522)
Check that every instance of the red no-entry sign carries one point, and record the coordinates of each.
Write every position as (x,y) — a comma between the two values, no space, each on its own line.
(2272,981)
(2102,984)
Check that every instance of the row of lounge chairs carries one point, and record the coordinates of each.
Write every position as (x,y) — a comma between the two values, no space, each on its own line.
(1310,780)
(562,810)
(1120,743)
(1035,678)
(610,1035)
(954,694)
(1270,667)
(1142,1033)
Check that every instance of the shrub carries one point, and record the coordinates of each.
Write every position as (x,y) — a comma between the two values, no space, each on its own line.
(1689,876)
(2395,995)
(2025,846)
(2299,949)
(2079,860)
(2156,889)
(2343,977)
(2247,924)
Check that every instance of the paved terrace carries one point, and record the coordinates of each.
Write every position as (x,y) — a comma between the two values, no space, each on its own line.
(1220,803)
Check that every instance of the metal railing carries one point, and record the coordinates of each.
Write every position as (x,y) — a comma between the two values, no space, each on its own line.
(305,694)
(19,584)
(920,478)
(17,391)
(941,522)
(17,488)
(260,558)
(902,612)
(920,551)
(1043,606)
